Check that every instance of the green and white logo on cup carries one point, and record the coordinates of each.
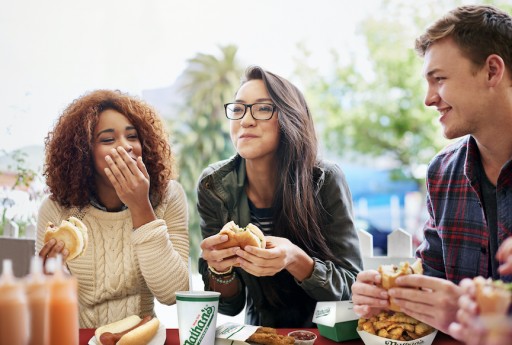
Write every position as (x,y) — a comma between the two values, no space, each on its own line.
(197,316)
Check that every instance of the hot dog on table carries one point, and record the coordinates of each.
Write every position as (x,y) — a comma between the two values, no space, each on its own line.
(131,330)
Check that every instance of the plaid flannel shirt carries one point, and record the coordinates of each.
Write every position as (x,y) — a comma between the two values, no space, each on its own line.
(456,243)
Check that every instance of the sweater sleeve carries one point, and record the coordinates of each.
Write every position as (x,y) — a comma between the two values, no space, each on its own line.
(162,248)
(49,211)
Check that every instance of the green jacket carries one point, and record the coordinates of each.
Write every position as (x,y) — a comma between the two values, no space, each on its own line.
(222,198)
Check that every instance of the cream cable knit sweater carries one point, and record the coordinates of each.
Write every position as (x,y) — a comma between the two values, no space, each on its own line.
(123,270)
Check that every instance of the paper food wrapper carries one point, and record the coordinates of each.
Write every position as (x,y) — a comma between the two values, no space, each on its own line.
(370,339)
(330,313)
(336,320)
(233,334)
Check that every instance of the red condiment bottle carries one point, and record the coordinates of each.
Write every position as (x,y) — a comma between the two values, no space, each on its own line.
(63,312)
(13,308)
(36,285)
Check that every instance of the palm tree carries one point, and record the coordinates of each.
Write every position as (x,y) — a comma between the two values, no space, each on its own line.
(203,136)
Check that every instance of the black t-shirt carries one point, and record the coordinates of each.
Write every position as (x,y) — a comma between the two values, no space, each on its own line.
(490,205)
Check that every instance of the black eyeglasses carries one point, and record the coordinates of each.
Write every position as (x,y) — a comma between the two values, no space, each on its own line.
(259,111)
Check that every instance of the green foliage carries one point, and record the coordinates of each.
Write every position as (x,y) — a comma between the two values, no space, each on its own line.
(203,136)
(374,106)
(370,105)
(24,177)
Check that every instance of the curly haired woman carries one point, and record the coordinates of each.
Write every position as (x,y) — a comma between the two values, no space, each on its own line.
(109,163)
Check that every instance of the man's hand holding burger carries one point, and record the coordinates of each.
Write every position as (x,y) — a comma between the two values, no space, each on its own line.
(483,300)
(368,295)
(427,299)
(504,256)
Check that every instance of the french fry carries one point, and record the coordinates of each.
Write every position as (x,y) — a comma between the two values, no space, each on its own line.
(395,326)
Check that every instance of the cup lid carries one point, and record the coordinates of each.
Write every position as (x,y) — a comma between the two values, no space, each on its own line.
(197,295)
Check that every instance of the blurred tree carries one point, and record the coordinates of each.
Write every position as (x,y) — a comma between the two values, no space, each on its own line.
(23,178)
(203,136)
(372,106)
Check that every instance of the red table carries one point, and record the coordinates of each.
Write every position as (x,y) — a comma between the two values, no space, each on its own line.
(173,338)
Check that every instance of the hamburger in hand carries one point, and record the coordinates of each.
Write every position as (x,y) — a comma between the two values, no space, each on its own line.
(389,273)
(251,235)
(492,297)
(72,232)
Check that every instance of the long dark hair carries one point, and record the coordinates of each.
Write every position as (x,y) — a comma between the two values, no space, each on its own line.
(298,212)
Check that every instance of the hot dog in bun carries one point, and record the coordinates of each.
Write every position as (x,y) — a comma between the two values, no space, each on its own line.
(492,297)
(72,232)
(389,273)
(251,235)
(129,331)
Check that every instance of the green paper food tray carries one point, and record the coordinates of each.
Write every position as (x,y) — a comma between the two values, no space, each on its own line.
(341,331)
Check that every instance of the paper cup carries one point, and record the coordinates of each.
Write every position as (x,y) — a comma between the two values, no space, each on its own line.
(197,316)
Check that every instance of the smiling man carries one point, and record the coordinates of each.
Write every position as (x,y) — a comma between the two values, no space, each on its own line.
(467,60)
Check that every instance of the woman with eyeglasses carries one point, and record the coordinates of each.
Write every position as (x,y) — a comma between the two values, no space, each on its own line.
(301,203)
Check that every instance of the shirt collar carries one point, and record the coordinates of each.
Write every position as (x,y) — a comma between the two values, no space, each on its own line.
(472,165)
(96,204)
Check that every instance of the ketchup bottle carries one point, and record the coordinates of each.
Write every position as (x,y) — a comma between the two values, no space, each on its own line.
(13,308)
(63,305)
(37,296)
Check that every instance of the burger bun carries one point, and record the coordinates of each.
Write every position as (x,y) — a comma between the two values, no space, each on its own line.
(251,235)
(72,232)
(389,273)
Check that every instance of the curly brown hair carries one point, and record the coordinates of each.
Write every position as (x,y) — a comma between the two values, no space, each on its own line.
(69,167)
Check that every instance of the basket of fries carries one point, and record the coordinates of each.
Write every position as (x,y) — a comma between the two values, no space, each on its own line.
(399,327)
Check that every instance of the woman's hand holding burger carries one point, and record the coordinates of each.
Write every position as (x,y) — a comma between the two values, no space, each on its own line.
(282,254)
(221,260)
(254,252)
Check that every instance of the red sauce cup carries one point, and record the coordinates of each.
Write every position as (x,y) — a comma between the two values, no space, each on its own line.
(303,337)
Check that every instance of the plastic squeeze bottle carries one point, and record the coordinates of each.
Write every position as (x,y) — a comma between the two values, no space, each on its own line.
(63,305)
(13,308)
(36,285)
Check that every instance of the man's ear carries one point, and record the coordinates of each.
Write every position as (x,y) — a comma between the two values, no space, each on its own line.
(495,67)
